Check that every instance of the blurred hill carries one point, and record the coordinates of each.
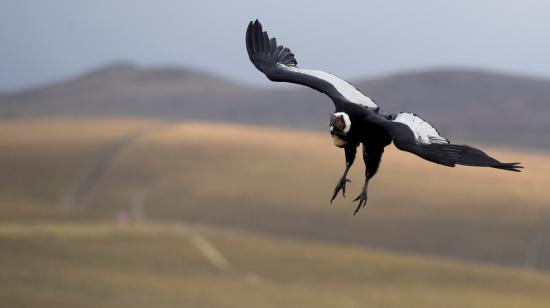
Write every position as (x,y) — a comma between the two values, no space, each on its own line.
(464,104)
(260,180)
(114,212)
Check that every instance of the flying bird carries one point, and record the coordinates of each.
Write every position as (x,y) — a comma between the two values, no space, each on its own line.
(357,119)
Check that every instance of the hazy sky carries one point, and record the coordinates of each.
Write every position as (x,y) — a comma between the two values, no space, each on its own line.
(43,41)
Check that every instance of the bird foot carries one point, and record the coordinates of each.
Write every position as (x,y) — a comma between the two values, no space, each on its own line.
(362,198)
(340,186)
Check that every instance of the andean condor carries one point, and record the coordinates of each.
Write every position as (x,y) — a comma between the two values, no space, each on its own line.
(357,119)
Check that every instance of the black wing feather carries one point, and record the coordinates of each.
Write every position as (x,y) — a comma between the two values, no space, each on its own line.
(279,64)
(439,153)
(264,52)
(461,154)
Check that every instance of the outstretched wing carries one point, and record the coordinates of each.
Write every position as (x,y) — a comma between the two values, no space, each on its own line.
(412,134)
(278,64)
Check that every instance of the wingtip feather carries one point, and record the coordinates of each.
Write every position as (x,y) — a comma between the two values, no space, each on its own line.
(516,167)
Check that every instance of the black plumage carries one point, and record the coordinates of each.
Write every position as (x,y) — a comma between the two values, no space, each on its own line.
(358,120)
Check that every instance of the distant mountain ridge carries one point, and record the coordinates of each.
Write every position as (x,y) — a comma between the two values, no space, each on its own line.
(463,104)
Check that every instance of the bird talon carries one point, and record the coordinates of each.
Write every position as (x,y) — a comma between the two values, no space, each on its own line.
(356,210)
(362,198)
(340,186)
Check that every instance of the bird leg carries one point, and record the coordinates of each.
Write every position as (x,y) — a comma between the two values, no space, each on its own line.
(350,151)
(362,198)
(372,156)
(341,183)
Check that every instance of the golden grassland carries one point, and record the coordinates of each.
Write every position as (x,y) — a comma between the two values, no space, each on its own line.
(157,265)
(277,182)
(40,160)
(259,199)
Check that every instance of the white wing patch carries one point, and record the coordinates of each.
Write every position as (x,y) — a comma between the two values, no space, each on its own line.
(424,132)
(347,90)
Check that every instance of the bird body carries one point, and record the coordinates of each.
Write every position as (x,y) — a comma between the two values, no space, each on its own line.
(358,120)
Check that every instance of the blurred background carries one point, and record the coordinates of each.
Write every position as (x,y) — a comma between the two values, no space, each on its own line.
(145,162)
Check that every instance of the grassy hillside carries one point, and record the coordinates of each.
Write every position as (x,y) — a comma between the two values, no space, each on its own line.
(275,182)
(42,160)
(130,212)
(279,182)
(160,265)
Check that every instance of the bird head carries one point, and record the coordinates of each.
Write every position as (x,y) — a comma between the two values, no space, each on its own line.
(340,124)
